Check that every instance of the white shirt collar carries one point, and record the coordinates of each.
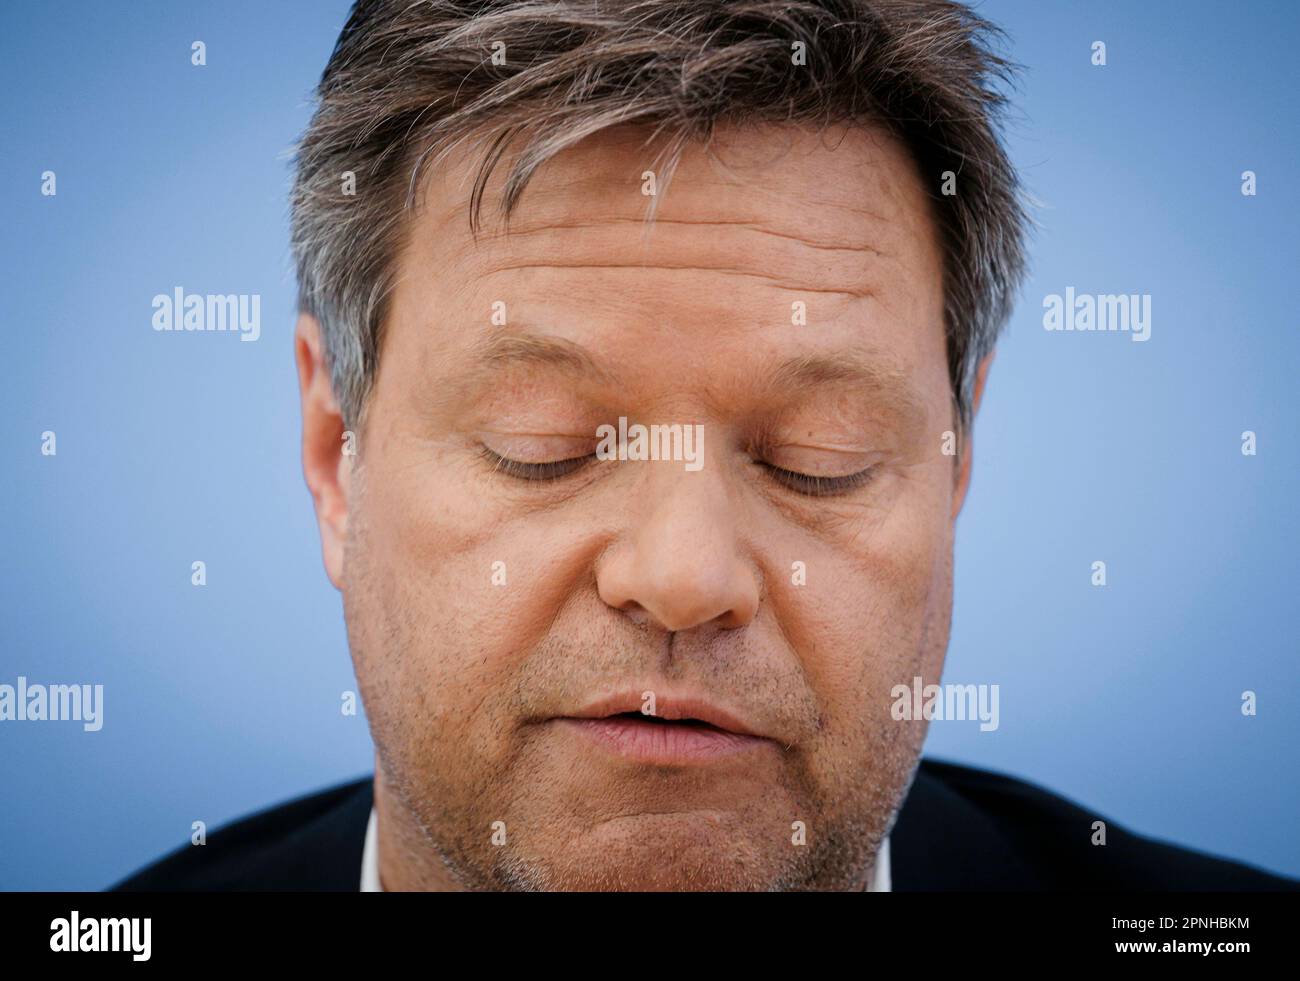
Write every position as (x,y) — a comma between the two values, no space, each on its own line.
(370,862)
(370,857)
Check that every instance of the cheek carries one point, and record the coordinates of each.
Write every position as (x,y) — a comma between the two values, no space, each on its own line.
(876,607)
(446,595)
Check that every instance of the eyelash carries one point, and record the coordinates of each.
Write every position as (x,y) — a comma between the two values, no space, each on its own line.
(551,470)
(801,483)
(811,486)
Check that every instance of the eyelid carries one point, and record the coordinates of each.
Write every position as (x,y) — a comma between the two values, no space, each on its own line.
(802,483)
(765,446)
(549,470)
(814,486)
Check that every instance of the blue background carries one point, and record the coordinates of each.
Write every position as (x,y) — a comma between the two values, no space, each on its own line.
(173,448)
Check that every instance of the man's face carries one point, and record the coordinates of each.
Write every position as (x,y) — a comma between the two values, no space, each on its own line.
(788,300)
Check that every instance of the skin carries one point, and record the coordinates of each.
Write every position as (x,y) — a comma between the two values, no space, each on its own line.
(643,576)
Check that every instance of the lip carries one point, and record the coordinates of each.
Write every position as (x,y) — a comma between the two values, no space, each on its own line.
(616,725)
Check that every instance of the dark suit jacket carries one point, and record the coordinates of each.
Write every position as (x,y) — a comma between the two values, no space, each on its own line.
(959,829)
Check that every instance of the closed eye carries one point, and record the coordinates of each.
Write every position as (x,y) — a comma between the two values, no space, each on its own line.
(550,470)
(818,486)
(808,484)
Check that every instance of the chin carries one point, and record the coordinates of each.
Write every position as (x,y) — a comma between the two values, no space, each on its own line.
(680,852)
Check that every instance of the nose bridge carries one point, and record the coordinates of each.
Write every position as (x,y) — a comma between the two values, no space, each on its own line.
(686,510)
(681,560)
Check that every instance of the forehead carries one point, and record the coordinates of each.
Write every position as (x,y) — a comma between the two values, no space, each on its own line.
(768,225)
(845,203)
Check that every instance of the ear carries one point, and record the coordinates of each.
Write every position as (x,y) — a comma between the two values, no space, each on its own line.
(964,464)
(325,465)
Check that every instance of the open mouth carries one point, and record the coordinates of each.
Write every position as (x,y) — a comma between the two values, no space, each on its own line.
(658,720)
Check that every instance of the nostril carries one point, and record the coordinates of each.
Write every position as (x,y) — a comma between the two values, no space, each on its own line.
(637,613)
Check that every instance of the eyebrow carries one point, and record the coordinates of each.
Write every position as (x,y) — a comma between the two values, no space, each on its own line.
(510,347)
(506,350)
(850,369)
(876,376)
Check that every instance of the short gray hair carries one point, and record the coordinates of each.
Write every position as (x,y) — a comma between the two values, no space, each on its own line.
(410,79)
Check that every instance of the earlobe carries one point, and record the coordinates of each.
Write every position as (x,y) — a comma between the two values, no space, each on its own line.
(325,465)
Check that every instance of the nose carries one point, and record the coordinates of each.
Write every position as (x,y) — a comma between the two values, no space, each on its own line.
(680,563)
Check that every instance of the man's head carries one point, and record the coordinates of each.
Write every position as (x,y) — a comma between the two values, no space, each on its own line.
(815,301)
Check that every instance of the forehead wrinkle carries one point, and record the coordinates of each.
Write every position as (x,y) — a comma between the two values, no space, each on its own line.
(757,227)
(803,256)
(857,292)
